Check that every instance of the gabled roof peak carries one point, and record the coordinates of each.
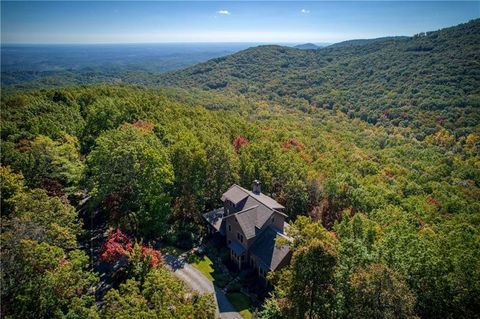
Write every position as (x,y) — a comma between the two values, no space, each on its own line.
(237,193)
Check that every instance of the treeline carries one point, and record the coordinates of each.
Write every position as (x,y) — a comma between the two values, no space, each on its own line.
(388,216)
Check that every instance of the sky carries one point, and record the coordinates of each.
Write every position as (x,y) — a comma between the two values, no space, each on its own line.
(231,21)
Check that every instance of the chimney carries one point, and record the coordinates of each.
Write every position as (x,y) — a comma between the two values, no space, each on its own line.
(257,187)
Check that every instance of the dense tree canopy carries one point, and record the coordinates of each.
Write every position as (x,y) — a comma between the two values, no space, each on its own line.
(43,274)
(129,173)
(161,296)
(421,82)
(380,293)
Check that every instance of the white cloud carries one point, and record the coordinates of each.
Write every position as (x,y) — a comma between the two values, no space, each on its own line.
(224,12)
(304,11)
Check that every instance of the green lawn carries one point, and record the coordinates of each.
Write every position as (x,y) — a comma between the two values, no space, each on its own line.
(205,265)
(241,302)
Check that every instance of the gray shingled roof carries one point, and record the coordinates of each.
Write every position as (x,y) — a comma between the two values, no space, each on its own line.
(253,218)
(263,214)
(236,194)
(247,219)
(215,218)
(255,210)
(264,248)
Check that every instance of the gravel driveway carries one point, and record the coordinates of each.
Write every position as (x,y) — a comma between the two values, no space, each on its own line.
(198,282)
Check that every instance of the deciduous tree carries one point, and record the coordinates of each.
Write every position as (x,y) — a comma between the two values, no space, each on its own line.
(129,174)
(380,293)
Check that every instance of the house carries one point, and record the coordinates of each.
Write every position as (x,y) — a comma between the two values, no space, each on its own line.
(251,223)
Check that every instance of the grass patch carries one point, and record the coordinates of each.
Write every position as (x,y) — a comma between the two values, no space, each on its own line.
(241,303)
(205,265)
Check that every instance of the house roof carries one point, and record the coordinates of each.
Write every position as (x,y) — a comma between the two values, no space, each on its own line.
(215,218)
(269,254)
(247,221)
(252,219)
(255,209)
(237,193)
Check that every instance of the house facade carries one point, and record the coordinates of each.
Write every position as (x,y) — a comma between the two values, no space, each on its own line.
(251,223)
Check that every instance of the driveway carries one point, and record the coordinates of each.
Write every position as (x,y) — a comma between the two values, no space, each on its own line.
(198,282)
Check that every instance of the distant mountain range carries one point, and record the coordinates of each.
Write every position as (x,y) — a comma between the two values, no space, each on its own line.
(154,57)
(309,46)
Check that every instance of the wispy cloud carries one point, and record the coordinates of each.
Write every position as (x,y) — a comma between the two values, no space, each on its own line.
(224,12)
(305,11)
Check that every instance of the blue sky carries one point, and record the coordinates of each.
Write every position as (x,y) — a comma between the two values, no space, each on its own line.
(232,21)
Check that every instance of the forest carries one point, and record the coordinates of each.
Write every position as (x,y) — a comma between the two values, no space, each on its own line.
(418,82)
(372,147)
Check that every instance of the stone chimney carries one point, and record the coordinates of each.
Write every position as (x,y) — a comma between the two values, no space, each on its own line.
(257,187)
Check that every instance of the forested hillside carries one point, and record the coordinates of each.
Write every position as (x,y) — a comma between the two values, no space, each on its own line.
(153,161)
(422,82)
(373,149)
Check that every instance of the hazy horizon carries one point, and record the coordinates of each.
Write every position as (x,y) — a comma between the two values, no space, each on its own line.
(128,22)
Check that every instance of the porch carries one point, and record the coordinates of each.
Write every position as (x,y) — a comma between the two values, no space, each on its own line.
(238,254)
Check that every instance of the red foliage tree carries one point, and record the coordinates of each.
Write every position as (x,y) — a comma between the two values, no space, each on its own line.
(293,143)
(433,201)
(118,245)
(154,255)
(239,141)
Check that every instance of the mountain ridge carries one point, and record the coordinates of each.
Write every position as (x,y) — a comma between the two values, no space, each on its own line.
(427,80)
(307,46)
(356,42)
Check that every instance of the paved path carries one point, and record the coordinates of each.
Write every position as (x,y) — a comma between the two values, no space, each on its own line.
(198,282)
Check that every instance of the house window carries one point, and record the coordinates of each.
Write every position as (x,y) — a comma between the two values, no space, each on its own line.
(229,227)
(240,237)
(273,219)
(229,241)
